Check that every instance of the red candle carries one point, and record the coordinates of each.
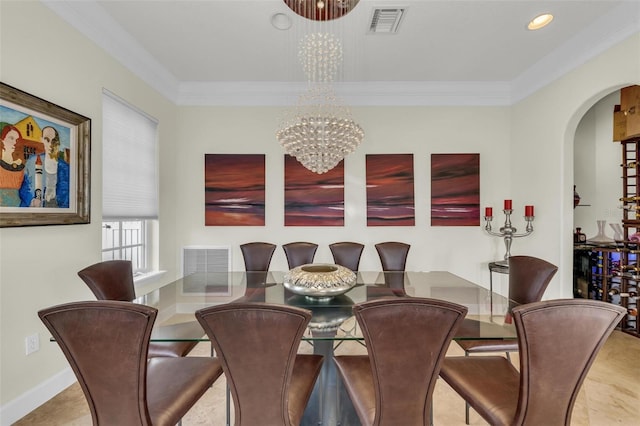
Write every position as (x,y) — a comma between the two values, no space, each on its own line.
(507,204)
(488,211)
(528,210)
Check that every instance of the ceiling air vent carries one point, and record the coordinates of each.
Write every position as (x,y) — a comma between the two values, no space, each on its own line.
(386,20)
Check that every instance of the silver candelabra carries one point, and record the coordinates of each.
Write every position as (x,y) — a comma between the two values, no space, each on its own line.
(508,231)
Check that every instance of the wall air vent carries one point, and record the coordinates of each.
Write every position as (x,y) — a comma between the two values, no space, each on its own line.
(206,264)
(386,20)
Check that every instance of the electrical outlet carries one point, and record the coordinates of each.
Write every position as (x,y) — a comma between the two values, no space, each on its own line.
(32,343)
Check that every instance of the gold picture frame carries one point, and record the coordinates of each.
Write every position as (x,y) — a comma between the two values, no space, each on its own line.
(45,163)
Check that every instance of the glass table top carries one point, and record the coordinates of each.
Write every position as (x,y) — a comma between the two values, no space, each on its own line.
(332,319)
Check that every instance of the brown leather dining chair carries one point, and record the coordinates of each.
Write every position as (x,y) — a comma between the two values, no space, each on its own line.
(558,342)
(106,344)
(406,340)
(393,255)
(257,256)
(347,254)
(257,343)
(299,253)
(113,280)
(528,279)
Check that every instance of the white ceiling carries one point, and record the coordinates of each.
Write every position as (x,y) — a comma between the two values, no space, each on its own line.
(446,52)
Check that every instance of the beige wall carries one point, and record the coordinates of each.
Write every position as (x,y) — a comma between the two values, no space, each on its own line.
(597,169)
(418,130)
(526,154)
(45,57)
(543,131)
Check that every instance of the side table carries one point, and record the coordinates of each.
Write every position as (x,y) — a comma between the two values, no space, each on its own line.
(499,268)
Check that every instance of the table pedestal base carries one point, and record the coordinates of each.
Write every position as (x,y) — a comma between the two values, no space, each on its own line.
(329,404)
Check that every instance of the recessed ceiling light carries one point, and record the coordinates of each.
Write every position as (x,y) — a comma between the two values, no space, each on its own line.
(281,21)
(540,21)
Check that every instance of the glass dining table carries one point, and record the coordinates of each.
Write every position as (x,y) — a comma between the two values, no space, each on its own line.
(332,321)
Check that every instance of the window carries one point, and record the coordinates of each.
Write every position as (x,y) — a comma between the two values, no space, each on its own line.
(129,182)
(126,239)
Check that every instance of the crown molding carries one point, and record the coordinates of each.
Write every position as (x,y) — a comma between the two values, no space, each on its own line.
(378,93)
(89,18)
(611,29)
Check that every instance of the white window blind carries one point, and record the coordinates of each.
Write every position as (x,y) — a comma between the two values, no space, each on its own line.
(129,161)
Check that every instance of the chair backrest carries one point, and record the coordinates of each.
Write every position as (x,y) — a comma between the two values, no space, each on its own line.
(257,344)
(257,256)
(299,253)
(407,339)
(110,280)
(347,254)
(393,255)
(558,341)
(528,278)
(106,344)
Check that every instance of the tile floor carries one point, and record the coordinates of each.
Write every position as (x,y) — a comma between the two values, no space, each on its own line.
(609,396)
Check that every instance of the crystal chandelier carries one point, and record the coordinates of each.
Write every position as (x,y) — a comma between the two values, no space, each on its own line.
(319,131)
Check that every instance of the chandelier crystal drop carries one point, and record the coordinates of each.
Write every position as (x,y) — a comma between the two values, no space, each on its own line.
(319,132)
(320,55)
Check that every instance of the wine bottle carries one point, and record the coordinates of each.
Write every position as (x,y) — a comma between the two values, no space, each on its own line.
(633,198)
(582,237)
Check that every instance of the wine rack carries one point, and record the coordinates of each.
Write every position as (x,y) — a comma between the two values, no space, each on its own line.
(609,273)
(625,294)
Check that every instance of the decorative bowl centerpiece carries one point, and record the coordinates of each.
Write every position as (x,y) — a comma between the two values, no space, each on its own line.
(319,280)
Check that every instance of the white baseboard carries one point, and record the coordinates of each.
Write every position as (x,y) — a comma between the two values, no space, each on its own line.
(35,397)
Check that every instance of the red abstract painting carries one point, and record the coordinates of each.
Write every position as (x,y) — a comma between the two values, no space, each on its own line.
(234,186)
(455,189)
(390,194)
(311,199)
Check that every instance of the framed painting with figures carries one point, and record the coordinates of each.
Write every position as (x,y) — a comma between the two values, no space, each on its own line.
(45,163)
